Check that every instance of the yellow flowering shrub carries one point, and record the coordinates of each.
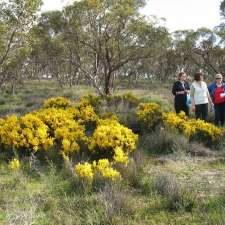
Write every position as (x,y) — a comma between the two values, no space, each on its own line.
(149,115)
(206,132)
(84,114)
(57,102)
(175,121)
(65,156)
(111,173)
(85,171)
(64,128)
(112,143)
(27,132)
(111,120)
(53,117)
(67,132)
(103,168)
(120,156)
(14,164)
(109,135)
(70,134)
(101,164)
(93,100)
(193,129)
(9,131)
(34,133)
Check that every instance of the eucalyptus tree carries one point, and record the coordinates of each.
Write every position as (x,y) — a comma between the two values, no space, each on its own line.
(105,36)
(47,58)
(16,19)
(198,50)
(222,8)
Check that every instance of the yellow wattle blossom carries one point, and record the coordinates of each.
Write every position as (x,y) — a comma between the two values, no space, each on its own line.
(65,130)
(65,157)
(101,164)
(104,168)
(71,133)
(14,164)
(57,102)
(110,173)
(66,145)
(10,131)
(34,131)
(120,156)
(87,114)
(110,134)
(54,118)
(85,171)
(27,132)
(207,131)
(112,121)
(174,121)
(194,129)
(84,113)
(150,115)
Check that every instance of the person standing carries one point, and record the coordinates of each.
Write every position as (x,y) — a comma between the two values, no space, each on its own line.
(216,91)
(200,97)
(180,90)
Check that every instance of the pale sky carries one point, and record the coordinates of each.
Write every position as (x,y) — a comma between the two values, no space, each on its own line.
(179,14)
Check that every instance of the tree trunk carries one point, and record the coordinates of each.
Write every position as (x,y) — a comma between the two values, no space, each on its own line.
(13,88)
(107,84)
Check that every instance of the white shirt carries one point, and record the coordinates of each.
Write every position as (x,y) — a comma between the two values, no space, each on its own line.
(182,82)
(199,91)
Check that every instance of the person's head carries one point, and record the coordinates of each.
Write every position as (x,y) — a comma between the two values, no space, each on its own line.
(182,76)
(218,78)
(198,76)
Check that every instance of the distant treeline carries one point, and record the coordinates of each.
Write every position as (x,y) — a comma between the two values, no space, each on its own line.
(97,42)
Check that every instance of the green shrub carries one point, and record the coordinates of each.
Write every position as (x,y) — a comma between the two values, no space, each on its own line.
(178,197)
(95,101)
(114,199)
(134,175)
(127,100)
(166,105)
(164,142)
(30,104)
(2,101)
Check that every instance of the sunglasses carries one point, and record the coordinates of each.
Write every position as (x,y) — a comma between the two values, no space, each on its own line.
(218,78)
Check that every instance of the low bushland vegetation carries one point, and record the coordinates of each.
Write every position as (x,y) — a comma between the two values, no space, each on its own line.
(114,160)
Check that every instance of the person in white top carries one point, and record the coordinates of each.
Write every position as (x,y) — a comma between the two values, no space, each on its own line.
(200,97)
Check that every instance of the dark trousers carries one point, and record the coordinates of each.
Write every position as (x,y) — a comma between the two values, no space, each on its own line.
(201,111)
(181,106)
(219,113)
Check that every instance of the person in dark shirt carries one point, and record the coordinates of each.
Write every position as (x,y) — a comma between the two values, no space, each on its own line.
(180,90)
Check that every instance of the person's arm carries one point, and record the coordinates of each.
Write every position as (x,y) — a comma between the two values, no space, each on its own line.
(210,90)
(187,88)
(223,94)
(209,98)
(175,89)
(192,92)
